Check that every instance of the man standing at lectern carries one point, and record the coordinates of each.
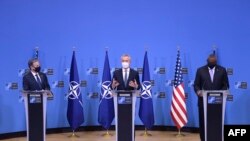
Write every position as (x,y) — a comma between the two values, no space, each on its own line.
(34,79)
(126,78)
(209,77)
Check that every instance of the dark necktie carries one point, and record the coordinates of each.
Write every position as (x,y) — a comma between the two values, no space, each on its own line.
(126,77)
(38,81)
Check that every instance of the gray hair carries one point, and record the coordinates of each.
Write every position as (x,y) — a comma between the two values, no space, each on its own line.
(126,55)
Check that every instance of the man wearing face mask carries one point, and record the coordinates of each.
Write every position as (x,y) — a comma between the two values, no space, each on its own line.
(126,78)
(34,79)
(209,77)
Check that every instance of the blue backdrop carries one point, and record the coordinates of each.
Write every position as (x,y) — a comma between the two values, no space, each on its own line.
(124,26)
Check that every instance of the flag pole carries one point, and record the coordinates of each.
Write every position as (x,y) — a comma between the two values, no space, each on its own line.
(74,48)
(73,135)
(214,49)
(36,51)
(107,134)
(178,48)
(145,133)
(36,48)
(146,48)
(180,134)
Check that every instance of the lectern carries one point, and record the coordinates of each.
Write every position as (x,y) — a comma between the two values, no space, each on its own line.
(35,110)
(124,103)
(214,103)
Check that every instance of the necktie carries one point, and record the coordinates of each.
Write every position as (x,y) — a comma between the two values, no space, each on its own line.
(211,72)
(38,81)
(126,77)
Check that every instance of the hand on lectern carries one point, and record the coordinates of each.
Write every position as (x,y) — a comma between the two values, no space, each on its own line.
(199,93)
(133,84)
(115,84)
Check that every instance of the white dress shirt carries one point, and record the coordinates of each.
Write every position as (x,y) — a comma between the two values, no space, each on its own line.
(123,73)
(34,74)
(211,73)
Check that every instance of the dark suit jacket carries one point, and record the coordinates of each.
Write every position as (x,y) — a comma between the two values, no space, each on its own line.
(203,80)
(133,75)
(30,83)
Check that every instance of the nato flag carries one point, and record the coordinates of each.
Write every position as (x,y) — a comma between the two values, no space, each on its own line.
(106,106)
(75,106)
(146,112)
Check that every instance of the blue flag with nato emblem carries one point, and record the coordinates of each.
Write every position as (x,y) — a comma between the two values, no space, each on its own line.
(75,106)
(106,112)
(146,111)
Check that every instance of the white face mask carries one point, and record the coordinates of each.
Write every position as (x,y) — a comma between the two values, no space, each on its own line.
(125,65)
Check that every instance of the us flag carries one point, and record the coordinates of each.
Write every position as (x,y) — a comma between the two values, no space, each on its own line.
(178,104)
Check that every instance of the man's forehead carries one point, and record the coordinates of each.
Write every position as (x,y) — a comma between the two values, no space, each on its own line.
(212,58)
(36,63)
(125,57)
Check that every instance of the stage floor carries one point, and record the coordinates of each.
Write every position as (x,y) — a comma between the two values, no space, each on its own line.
(97,136)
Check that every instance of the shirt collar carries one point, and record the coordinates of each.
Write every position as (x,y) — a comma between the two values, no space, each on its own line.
(128,69)
(33,73)
(212,68)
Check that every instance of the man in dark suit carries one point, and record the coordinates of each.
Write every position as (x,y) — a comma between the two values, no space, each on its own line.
(126,78)
(34,79)
(209,77)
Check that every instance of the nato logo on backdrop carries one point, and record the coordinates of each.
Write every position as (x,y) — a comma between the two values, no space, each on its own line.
(58,84)
(139,70)
(240,85)
(160,70)
(184,70)
(230,71)
(93,95)
(21,72)
(48,71)
(11,86)
(83,83)
(190,83)
(169,83)
(66,71)
(93,70)
(160,94)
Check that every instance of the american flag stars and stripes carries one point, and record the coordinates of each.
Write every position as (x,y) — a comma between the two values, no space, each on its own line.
(178,104)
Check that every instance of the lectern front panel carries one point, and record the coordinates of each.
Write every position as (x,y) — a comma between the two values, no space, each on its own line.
(214,116)
(125,119)
(35,114)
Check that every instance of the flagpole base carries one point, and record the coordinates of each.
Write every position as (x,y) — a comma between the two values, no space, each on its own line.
(73,135)
(146,134)
(107,134)
(180,134)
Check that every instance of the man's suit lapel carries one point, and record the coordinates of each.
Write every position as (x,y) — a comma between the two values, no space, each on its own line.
(216,73)
(34,80)
(32,77)
(129,77)
(208,75)
(121,78)
(42,78)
